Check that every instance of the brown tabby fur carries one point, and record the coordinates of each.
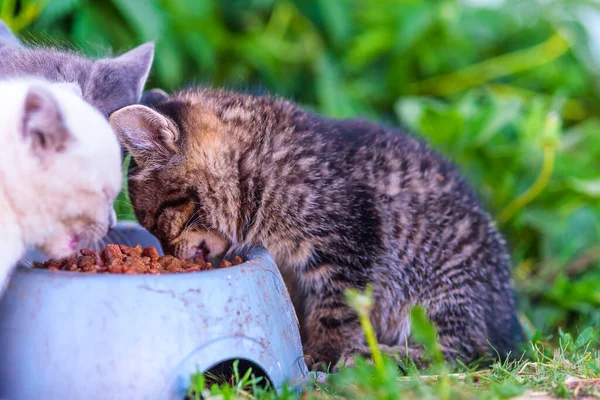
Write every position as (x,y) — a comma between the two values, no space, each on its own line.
(339,204)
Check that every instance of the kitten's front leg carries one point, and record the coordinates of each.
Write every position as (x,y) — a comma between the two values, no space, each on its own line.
(331,326)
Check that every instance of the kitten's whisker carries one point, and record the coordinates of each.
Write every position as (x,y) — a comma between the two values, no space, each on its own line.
(192,221)
(125,202)
(120,215)
(190,225)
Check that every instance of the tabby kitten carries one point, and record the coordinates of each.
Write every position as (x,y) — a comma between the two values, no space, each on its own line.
(60,171)
(339,204)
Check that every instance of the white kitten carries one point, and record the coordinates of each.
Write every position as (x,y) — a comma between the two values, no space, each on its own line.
(60,171)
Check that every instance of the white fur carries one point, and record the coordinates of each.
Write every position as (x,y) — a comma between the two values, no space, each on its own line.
(47,202)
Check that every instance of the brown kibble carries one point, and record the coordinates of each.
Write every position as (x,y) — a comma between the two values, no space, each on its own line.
(112,253)
(207,267)
(89,269)
(237,260)
(173,265)
(115,268)
(87,252)
(85,262)
(155,265)
(71,258)
(192,267)
(131,251)
(200,261)
(136,265)
(53,263)
(99,261)
(122,259)
(151,253)
(165,259)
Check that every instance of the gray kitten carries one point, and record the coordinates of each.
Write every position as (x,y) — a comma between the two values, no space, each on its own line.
(108,84)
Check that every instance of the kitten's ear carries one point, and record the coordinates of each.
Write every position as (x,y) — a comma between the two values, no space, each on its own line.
(153,96)
(150,138)
(118,82)
(135,65)
(7,38)
(43,126)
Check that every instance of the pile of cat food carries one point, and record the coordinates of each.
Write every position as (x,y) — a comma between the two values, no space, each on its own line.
(121,259)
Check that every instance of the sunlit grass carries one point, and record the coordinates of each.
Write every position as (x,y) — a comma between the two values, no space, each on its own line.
(570,367)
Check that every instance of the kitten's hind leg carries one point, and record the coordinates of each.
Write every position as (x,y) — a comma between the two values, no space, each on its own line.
(331,326)
(462,335)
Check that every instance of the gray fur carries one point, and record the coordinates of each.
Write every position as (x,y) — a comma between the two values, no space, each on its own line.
(108,84)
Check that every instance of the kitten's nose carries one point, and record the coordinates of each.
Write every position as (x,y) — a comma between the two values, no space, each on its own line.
(112,219)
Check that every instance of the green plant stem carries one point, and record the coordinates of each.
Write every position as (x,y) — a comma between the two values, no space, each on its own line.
(506,64)
(362,304)
(535,189)
(574,110)
(365,322)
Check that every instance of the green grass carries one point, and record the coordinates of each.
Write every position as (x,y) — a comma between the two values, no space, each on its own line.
(563,374)
(123,207)
(571,368)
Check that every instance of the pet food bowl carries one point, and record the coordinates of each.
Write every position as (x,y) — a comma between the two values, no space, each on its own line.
(68,335)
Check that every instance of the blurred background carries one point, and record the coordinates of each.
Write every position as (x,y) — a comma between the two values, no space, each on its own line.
(509,90)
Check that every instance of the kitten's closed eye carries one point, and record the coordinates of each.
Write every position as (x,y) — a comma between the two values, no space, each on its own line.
(174,216)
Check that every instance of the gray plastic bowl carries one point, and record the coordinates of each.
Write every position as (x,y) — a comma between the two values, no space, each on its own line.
(68,335)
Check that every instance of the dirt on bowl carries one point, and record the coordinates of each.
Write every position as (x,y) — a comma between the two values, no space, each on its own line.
(122,259)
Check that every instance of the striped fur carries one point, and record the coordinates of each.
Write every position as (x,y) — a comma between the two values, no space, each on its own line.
(339,204)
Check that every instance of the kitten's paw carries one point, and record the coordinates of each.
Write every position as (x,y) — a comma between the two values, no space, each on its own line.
(320,358)
(349,356)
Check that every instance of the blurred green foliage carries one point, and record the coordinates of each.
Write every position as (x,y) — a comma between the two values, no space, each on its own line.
(507,89)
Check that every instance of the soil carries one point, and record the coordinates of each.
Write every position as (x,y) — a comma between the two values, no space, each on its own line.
(121,259)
